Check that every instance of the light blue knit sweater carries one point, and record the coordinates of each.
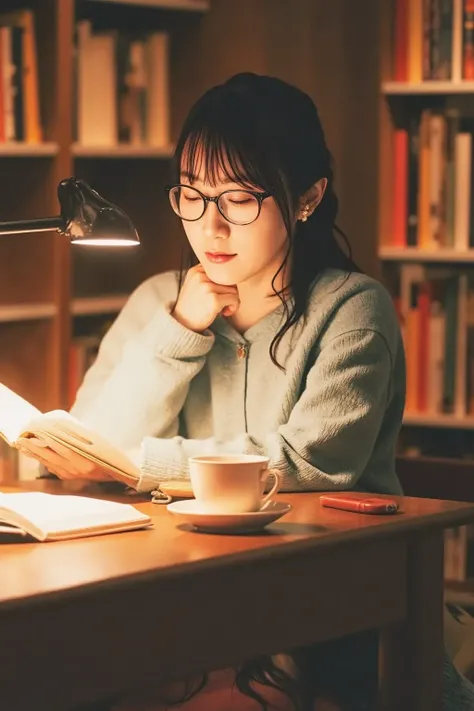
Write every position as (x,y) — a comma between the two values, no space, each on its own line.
(329,421)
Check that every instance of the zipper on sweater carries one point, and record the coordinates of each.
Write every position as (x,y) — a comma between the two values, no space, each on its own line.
(242,353)
(242,350)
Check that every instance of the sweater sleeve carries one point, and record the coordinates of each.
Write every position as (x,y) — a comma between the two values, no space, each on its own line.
(329,436)
(140,380)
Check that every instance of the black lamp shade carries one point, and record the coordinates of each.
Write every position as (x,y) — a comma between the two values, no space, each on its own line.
(88,219)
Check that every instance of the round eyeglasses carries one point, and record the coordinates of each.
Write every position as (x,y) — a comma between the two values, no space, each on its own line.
(240,207)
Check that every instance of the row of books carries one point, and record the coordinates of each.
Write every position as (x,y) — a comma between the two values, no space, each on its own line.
(432,182)
(122,91)
(434,39)
(19,95)
(121,85)
(436,309)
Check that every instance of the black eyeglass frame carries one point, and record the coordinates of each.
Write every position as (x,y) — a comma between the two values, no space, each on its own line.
(260,196)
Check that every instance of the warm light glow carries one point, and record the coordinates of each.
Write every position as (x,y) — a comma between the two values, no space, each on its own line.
(105,242)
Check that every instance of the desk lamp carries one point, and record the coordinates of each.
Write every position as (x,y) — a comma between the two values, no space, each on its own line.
(86,218)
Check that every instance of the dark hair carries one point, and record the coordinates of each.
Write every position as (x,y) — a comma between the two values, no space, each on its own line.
(260,131)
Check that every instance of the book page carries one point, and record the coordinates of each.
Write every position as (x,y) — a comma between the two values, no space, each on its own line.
(55,515)
(65,429)
(15,412)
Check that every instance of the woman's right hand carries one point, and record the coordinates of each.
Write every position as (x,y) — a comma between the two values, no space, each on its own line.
(201,300)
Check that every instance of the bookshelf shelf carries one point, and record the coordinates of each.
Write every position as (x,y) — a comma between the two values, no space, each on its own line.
(413,254)
(181,5)
(122,151)
(399,88)
(26,312)
(98,305)
(28,150)
(445,421)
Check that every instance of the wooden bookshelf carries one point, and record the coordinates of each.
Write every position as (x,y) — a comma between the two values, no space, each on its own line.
(447,88)
(29,150)
(413,254)
(122,151)
(108,304)
(46,284)
(26,312)
(179,5)
(400,101)
(420,419)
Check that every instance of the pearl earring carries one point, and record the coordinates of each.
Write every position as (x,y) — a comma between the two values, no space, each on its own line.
(305,214)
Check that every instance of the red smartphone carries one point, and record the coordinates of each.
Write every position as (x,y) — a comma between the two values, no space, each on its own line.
(360,503)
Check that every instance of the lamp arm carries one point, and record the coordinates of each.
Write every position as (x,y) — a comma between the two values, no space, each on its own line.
(42,224)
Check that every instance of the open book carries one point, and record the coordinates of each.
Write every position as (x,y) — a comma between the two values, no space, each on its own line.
(18,418)
(54,517)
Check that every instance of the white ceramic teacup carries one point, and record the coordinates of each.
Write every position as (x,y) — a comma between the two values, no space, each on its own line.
(231,483)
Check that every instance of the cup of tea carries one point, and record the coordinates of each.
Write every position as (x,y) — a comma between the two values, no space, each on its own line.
(232,483)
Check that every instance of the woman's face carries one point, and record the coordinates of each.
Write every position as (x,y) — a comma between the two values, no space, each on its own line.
(233,254)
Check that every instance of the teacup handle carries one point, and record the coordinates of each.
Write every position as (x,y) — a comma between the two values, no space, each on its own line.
(276,486)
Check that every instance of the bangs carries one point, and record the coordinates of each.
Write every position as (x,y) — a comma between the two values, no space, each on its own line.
(219,156)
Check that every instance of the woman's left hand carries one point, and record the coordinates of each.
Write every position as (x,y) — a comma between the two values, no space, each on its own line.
(60,460)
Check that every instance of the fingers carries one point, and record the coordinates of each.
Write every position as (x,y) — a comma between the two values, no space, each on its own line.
(43,453)
(56,447)
(33,452)
(61,461)
(99,474)
(229,310)
(227,303)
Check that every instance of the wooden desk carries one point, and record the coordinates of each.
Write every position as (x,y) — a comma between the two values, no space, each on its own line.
(83,619)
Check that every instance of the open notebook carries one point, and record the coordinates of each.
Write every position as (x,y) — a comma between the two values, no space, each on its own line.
(18,418)
(53,517)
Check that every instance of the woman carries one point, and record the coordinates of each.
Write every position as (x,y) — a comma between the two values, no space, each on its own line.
(273,313)
(272,342)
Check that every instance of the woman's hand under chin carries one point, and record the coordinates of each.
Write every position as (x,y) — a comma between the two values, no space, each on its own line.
(201,300)
(60,460)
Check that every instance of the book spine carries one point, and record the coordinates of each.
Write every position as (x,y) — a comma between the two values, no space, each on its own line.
(400,59)
(413,180)
(468,40)
(400,188)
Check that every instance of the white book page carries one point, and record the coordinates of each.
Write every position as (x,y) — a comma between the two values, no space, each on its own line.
(53,513)
(66,429)
(15,412)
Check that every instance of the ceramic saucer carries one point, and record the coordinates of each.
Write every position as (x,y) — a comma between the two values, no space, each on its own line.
(188,511)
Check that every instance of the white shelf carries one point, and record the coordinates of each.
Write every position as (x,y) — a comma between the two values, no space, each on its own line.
(414,254)
(401,88)
(26,312)
(445,421)
(185,5)
(98,305)
(27,150)
(122,151)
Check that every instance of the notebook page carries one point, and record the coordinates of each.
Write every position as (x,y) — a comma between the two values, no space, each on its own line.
(15,412)
(53,513)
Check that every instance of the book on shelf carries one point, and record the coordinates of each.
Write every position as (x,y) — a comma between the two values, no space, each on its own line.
(20,115)
(122,93)
(436,310)
(433,40)
(18,419)
(55,517)
(432,205)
